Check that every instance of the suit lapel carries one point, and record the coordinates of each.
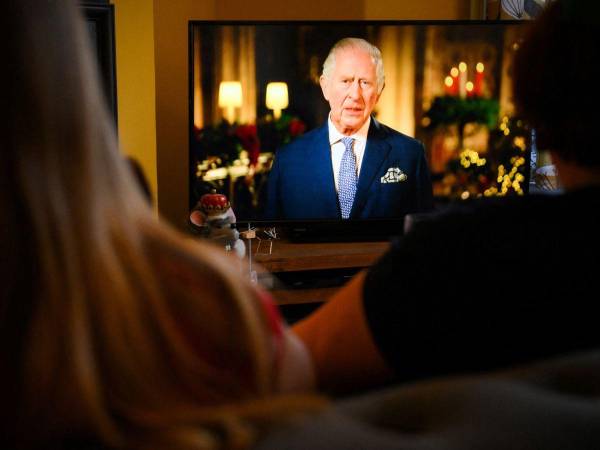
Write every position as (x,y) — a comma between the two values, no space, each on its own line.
(322,168)
(376,152)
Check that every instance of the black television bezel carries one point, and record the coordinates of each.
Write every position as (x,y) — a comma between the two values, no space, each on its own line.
(376,229)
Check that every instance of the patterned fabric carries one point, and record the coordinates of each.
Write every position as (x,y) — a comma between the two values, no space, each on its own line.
(347,178)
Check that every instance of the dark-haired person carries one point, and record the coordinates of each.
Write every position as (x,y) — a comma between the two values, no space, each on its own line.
(497,282)
(352,167)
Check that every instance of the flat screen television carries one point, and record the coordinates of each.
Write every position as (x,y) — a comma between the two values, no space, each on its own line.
(447,83)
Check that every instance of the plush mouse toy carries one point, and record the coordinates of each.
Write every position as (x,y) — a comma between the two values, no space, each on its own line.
(215,218)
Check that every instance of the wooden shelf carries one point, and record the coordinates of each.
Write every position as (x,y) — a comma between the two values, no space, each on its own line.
(287,256)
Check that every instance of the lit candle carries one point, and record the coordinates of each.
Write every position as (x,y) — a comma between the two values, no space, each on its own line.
(462,79)
(469,88)
(454,75)
(478,88)
(448,85)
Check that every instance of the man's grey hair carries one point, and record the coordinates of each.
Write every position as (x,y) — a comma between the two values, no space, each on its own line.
(356,43)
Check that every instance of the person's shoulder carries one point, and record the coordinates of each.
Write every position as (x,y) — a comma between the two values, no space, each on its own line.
(303,140)
(484,218)
(494,208)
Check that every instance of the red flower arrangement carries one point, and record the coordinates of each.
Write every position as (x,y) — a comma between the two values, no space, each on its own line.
(296,127)
(248,137)
(218,146)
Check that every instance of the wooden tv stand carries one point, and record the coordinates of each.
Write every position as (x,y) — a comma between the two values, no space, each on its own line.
(283,258)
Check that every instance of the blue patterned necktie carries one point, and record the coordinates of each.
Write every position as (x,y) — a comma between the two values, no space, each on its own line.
(347,178)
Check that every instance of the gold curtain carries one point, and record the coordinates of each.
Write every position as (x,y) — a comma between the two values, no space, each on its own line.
(396,107)
(197,71)
(235,61)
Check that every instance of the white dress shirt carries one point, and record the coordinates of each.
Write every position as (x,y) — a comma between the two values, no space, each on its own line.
(337,148)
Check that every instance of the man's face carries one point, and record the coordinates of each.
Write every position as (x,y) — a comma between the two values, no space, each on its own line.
(351,89)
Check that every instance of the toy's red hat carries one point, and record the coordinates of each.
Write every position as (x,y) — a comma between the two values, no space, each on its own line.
(213,202)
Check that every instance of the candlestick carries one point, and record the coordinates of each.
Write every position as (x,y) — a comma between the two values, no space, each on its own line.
(462,78)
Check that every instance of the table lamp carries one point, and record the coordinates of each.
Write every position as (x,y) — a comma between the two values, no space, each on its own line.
(277,98)
(230,97)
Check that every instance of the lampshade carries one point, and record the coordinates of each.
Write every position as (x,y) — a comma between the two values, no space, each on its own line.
(277,97)
(230,97)
(230,94)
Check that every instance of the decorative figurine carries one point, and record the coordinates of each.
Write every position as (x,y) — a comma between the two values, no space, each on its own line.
(215,220)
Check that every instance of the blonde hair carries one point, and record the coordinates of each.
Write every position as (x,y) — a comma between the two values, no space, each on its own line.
(356,43)
(113,327)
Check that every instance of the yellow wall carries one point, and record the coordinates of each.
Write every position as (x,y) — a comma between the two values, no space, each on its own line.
(172,119)
(417,9)
(134,35)
(351,9)
(284,10)
(152,88)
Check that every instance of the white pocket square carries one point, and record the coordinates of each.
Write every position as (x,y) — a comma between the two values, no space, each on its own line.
(393,175)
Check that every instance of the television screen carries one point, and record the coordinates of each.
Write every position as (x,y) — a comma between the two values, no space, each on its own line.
(255,89)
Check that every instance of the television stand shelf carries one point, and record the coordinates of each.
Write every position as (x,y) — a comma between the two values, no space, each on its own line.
(298,273)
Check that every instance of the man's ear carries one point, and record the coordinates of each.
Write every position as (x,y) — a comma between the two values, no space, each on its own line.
(324,86)
(381,91)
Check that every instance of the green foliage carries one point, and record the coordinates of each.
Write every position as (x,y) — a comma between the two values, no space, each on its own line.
(274,134)
(455,110)
(219,141)
(509,139)
(225,141)
(503,170)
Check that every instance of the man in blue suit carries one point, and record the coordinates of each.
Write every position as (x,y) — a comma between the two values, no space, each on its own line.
(353,167)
